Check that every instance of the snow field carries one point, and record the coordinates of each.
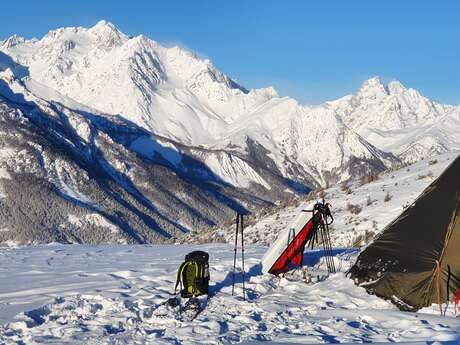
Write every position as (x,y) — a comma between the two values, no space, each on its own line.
(108,294)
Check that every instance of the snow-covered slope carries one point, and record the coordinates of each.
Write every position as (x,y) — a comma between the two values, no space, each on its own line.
(75,175)
(167,90)
(400,120)
(109,294)
(361,207)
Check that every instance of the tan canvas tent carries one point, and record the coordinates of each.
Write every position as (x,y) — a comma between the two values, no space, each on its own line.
(401,264)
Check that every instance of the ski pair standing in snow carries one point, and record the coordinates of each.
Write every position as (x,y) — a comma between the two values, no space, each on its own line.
(288,250)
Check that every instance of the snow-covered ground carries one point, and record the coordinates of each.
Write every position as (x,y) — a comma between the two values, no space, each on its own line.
(360,209)
(63,294)
(66,294)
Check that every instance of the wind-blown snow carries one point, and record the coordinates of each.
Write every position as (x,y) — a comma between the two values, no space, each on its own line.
(108,294)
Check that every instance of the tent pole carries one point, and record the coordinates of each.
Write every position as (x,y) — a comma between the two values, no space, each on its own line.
(438,285)
(449,273)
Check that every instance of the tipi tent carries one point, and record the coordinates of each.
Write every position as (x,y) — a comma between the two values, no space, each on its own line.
(415,261)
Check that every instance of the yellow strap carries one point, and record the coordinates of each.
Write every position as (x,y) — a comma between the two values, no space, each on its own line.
(196,275)
(179,274)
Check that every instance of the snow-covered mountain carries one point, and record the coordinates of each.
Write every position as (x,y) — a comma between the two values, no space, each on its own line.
(69,176)
(182,142)
(176,95)
(400,120)
(169,91)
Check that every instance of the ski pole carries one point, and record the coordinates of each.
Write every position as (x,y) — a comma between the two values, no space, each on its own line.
(330,246)
(321,230)
(242,254)
(326,252)
(327,245)
(234,253)
(328,232)
(325,225)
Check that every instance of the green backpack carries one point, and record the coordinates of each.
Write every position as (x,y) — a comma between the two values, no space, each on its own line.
(193,275)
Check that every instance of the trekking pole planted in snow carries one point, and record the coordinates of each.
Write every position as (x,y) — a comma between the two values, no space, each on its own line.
(242,254)
(239,228)
(328,236)
(234,252)
(323,212)
(328,258)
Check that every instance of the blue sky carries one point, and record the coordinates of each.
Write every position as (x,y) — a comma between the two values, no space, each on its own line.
(311,50)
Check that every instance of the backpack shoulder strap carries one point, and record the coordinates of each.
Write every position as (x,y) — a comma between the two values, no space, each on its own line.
(197,275)
(180,271)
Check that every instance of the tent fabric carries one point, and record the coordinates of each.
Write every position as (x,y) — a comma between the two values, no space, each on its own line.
(401,262)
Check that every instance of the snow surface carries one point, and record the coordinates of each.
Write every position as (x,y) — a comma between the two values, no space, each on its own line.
(234,170)
(148,146)
(65,294)
(93,219)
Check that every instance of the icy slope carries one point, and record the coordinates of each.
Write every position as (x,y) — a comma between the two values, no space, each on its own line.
(400,120)
(108,294)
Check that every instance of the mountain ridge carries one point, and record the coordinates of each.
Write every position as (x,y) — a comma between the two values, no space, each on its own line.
(176,95)
(174,144)
(408,124)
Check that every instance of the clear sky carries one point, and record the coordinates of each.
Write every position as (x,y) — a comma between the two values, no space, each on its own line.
(311,50)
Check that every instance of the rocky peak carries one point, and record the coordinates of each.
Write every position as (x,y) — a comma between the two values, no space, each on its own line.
(372,89)
(108,34)
(12,41)
(395,87)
